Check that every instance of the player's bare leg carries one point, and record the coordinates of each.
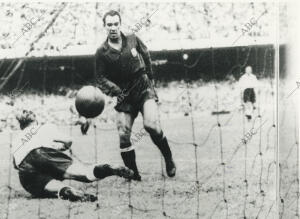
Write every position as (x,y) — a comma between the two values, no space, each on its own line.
(54,167)
(84,173)
(248,110)
(124,125)
(152,126)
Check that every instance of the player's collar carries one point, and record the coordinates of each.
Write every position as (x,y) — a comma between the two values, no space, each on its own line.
(124,41)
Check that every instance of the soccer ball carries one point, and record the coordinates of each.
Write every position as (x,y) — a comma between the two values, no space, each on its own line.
(89,101)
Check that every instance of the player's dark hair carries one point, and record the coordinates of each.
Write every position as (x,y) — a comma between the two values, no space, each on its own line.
(111,13)
(25,118)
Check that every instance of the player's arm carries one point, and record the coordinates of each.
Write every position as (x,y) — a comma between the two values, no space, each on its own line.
(62,145)
(241,88)
(62,142)
(143,50)
(242,95)
(107,86)
(257,86)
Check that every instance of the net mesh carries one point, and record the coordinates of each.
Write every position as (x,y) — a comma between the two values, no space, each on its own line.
(218,169)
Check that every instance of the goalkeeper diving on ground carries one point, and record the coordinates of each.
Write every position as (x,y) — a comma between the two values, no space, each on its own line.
(40,158)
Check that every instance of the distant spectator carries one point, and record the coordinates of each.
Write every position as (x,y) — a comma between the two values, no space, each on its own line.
(248,87)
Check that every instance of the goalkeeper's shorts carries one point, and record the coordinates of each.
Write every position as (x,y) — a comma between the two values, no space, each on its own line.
(135,95)
(41,166)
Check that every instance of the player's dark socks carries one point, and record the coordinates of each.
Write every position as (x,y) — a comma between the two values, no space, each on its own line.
(129,161)
(162,143)
(71,194)
(170,167)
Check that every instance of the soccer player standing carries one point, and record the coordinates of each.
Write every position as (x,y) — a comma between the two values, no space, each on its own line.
(123,69)
(248,84)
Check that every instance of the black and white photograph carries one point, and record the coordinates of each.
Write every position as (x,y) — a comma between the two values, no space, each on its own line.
(153,109)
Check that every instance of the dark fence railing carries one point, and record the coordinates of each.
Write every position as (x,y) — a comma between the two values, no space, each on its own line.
(49,73)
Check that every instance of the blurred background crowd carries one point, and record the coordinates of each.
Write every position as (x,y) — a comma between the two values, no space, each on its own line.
(79,28)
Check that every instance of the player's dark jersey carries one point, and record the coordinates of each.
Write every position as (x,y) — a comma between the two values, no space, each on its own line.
(114,69)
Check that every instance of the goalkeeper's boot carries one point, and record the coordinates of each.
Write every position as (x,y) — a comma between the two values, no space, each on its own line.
(71,194)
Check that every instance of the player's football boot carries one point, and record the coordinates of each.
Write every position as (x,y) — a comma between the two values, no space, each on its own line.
(71,194)
(123,172)
(105,170)
(137,177)
(170,167)
(89,198)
